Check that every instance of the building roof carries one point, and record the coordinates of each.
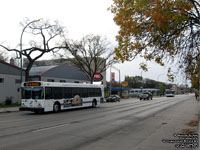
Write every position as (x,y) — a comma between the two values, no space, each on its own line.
(7,68)
(59,71)
(39,70)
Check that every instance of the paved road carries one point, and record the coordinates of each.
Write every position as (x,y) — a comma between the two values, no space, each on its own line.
(121,125)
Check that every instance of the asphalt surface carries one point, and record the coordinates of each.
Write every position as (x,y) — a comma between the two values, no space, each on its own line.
(127,125)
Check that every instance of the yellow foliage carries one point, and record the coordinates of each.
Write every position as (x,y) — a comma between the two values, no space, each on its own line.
(151,28)
(143,66)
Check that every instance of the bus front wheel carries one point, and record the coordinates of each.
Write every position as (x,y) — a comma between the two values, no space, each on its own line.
(56,107)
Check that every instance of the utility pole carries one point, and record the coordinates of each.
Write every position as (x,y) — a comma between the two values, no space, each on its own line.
(141,82)
(21,67)
(199,77)
(119,79)
(110,80)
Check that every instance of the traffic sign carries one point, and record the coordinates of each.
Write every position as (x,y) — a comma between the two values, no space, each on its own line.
(98,77)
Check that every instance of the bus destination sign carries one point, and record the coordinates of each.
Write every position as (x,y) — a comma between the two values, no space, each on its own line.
(32,84)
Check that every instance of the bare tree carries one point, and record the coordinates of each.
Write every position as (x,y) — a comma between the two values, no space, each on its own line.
(91,54)
(45,37)
(3,56)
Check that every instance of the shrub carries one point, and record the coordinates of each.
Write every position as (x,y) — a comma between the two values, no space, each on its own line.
(8,100)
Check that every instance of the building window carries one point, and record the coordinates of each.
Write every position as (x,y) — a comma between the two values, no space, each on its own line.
(50,80)
(17,81)
(1,80)
(63,81)
(76,82)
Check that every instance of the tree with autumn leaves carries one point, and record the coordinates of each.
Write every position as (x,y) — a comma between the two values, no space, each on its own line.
(159,30)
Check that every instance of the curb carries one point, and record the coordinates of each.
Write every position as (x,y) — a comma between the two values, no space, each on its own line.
(198,128)
(9,110)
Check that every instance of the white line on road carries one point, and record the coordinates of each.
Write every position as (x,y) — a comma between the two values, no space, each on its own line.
(48,128)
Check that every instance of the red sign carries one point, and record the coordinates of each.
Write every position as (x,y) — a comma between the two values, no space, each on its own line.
(112,76)
(124,83)
(98,77)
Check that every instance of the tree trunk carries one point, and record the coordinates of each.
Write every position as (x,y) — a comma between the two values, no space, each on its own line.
(27,77)
(91,80)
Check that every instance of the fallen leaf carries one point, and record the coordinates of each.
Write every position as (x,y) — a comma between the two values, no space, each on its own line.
(192,123)
(164,123)
(188,131)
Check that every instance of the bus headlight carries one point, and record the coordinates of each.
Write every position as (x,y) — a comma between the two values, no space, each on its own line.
(39,105)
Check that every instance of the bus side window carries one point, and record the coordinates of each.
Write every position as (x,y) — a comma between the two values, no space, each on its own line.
(57,93)
(48,93)
(76,91)
(67,92)
(84,92)
(91,92)
(98,92)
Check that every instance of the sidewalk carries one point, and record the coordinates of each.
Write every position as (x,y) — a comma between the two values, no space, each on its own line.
(174,128)
(9,109)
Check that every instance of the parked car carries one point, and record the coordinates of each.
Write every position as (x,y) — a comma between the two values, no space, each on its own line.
(146,95)
(113,98)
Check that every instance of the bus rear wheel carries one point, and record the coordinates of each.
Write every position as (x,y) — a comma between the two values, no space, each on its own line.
(94,103)
(56,107)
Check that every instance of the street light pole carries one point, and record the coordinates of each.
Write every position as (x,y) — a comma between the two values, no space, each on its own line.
(21,78)
(141,82)
(120,85)
(199,83)
(110,80)
(119,79)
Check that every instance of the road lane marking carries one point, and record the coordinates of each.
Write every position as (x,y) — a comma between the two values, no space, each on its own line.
(11,121)
(48,128)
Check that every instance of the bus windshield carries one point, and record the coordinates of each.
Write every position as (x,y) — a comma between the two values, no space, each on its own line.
(169,92)
(32,93)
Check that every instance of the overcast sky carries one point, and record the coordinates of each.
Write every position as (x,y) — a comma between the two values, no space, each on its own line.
(80,17)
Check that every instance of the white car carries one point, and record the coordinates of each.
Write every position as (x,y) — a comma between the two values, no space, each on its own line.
(169,94)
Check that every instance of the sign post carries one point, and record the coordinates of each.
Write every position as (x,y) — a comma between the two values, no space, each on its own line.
(113,77)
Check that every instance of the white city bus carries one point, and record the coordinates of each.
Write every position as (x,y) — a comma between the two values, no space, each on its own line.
(54,96)
(169,93)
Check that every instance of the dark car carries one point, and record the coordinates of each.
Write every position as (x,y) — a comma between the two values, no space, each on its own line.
(146,95)
(113,98)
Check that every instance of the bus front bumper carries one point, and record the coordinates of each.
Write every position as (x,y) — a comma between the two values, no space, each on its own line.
(31,109)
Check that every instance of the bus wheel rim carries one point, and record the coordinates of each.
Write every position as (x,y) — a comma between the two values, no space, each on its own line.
(56,108)
(93,104)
